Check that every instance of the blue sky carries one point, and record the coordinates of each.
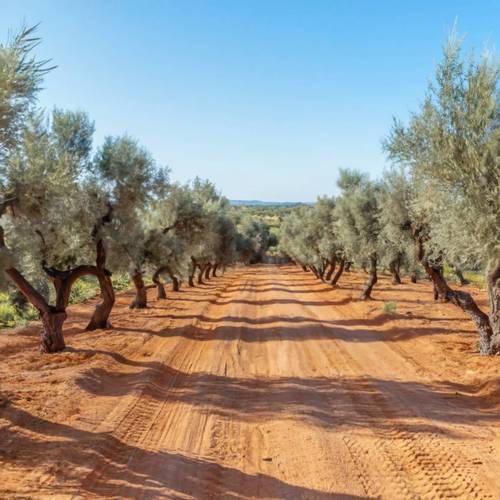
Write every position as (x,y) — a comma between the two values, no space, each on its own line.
(266,98)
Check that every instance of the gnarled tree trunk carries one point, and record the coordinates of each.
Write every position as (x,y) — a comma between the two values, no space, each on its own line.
(100,317)
(207,271)
(372,278)
(176,286)
(192,273)
(488,327)
(339,272)
(322,270)
(160,288)
(200,275)
(331,270)
(141,297)
(493,282)
(52,339)
(63,282)
(394,269)
(460,276)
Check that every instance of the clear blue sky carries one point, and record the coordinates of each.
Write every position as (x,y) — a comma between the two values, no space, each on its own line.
(265,98)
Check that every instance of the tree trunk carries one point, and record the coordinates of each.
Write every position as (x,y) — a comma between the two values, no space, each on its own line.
(214,270)
(141,298)
(63,282)
(394,269)
(52,339)
(460,276)
(160,288)
(175,284)
(314,270)
(207,271)
(100,318)
(200,275)
(322,270)
(493,281)
(372,279)
(160,291)
(413,277)
(489,339)
(331,270)
(304,267)
(339,272)
(348,266)
(193,272)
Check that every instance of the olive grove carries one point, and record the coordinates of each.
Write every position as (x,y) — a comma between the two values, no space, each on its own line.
(439,204)
(68,213)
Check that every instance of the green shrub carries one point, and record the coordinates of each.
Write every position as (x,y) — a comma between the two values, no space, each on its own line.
(83,289)
(8,315)
(121,282)
(390,307)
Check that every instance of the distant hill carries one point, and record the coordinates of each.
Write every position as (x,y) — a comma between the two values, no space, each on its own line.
(259,203)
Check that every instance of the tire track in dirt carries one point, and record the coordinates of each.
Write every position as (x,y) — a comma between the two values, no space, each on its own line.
(132,425)
(414,464)
(257,386)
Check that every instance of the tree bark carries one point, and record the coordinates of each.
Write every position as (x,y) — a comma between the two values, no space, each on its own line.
(100,317)
(493,281)
(372,279)
(207,271)
(52,339)
(331,270)
(394,269)
(175,284)
(141,298)
(200,275)
(192,273)
(63,282)
(460,276)
(322,270)
(489,339)
(339,272)
(160,288)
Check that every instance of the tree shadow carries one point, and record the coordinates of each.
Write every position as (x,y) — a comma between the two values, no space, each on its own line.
(112,468)
(339,403)
(310,329)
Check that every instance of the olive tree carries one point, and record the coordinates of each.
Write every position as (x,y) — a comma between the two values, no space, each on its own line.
(21,76)
(133,183)
(393,205)
(177,224)
(52,219)
(451,148)
(358,224)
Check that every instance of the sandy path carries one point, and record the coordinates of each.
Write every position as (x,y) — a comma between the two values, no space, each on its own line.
(264,383)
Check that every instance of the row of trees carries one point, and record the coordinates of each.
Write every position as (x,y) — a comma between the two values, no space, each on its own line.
(439,203)
(68,212)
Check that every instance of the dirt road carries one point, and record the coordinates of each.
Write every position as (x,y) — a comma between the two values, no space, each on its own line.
(264,383)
